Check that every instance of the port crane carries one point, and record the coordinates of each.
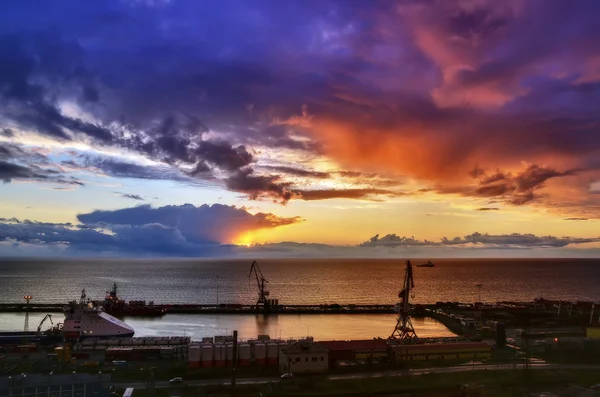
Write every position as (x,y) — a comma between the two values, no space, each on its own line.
(47,317)
(262,291)
(404,328)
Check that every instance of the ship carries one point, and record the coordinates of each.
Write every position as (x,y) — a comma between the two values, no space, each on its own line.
(84,320)
(428,264)
(119,308)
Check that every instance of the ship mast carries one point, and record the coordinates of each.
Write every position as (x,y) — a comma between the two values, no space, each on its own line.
(404,328)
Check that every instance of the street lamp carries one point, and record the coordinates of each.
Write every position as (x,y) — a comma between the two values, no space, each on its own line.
(217,290)
(479,289)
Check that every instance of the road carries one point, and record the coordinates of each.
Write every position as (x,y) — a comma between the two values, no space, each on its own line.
(367,375)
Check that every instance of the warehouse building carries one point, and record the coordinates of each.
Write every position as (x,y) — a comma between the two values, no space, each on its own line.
(442,351)
(356,349)
(304,357)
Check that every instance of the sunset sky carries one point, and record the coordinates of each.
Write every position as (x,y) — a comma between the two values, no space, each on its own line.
(291,128)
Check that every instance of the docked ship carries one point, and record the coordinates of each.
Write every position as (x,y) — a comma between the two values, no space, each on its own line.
(428,264)
(119,308)
(84,320)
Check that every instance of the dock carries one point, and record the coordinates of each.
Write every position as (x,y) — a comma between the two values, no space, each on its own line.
(223,308)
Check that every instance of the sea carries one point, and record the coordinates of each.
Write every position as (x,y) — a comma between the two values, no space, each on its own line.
(291,281)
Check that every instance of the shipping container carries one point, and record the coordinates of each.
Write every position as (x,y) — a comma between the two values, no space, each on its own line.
(207,355)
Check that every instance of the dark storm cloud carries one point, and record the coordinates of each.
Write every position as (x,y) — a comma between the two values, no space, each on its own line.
(367,194)
(183,230)
(515,189)
(223,155)
(514,240)
(8,151)
(424,89)
(298,172)
(204,224)
(18,162)
(120,169)
(31,65)
(257,186)
(9,171)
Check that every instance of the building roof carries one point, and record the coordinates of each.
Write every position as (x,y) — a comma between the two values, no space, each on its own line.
(370,344)
(445,346)
(303,347)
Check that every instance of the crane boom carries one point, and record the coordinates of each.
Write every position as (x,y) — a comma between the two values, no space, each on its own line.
(49,317)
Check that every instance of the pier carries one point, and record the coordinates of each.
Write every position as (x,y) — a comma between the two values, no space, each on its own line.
(224,308)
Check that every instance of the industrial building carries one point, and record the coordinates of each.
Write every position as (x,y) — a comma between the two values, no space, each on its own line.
(42,385)
(356,349)
(441,351)
(304,357)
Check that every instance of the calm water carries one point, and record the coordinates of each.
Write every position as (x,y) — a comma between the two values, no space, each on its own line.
(292,281)
(295,281)
(321,327)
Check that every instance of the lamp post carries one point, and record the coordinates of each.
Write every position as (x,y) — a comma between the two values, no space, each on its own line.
(217,290)
(27,299)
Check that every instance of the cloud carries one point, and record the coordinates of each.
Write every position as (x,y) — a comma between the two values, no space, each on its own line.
(258,186)
(576,219)
(131,196)
(488,209)
(516,189)
(369,194)
(298,172)
(199,225)
(122,169)
(9,171)
(183,230)
(420,89)
(514,240)
(27,238)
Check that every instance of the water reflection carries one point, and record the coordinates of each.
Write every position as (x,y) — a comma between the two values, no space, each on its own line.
(319,326)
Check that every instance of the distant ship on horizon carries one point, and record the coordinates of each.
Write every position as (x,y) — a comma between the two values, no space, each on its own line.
(428,264)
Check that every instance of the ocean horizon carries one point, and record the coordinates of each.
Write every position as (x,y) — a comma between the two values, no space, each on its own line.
(299,281)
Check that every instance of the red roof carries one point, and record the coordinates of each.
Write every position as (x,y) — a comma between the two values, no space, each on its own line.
(372,344)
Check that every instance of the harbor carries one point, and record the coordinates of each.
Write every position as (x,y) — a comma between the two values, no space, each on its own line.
(267,338)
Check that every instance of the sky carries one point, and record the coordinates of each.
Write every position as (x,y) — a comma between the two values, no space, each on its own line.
(300,128)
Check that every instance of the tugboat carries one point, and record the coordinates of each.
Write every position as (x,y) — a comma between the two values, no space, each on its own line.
(428,264)
(116,307)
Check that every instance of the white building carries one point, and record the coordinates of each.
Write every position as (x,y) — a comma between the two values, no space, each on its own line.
(304,357)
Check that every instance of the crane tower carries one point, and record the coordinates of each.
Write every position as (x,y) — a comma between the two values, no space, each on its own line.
(262,289)
(404,328)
